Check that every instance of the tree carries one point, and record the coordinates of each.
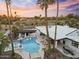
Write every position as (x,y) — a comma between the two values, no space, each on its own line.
(0,26)
(14,31)
(44,5)
(70,15)
(72,20)
(8,7)
(56,22)
(17,24)
(56,28)
(4,42)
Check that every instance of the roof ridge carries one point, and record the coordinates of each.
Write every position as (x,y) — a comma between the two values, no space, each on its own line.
(72,32)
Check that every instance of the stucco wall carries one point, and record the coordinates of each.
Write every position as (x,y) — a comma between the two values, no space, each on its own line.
(69,43)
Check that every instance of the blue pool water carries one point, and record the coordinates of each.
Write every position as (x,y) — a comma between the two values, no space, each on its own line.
(29,44)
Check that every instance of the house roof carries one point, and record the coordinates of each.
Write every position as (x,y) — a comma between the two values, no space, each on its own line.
(27,31)
(74,35)
(62,32)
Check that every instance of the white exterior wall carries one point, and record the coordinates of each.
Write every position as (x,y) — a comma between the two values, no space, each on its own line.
(19,35)
(61,41)
(55,44)
(25,35)
(78,45)
(75,49)
(69,43)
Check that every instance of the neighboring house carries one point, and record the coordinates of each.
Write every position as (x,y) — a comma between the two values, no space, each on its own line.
(67,39)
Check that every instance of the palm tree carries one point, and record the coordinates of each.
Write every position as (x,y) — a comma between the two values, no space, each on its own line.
(56,22)
(56,30)
(5,41)
(15,15)
(8,3)
(44,5)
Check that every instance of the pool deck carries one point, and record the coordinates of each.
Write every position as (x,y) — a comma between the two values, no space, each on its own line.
(25,55)
(22,53)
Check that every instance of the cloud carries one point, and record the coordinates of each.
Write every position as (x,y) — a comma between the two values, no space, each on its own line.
(29,7)
(76,1)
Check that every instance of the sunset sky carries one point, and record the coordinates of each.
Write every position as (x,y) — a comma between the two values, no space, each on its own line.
(29,8)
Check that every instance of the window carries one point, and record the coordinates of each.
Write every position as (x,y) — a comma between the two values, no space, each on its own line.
(75,44)
(64,42)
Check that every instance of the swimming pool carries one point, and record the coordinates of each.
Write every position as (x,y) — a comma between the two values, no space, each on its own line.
(28,44)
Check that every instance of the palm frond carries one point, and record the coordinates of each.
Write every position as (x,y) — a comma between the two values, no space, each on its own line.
(51,1)
(45,3)
(8,1)
(42,6)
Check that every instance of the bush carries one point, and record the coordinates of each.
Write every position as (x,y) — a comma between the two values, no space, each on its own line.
(17,56)
(48,51)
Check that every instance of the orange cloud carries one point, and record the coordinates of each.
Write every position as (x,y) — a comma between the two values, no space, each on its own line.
(36,8)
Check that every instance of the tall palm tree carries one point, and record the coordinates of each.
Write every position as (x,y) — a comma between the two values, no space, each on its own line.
(8,3)
(56,22)
(44,5)
(57,2)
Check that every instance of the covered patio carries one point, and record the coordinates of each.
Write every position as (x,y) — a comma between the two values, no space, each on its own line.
(68,48)
(25,32)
